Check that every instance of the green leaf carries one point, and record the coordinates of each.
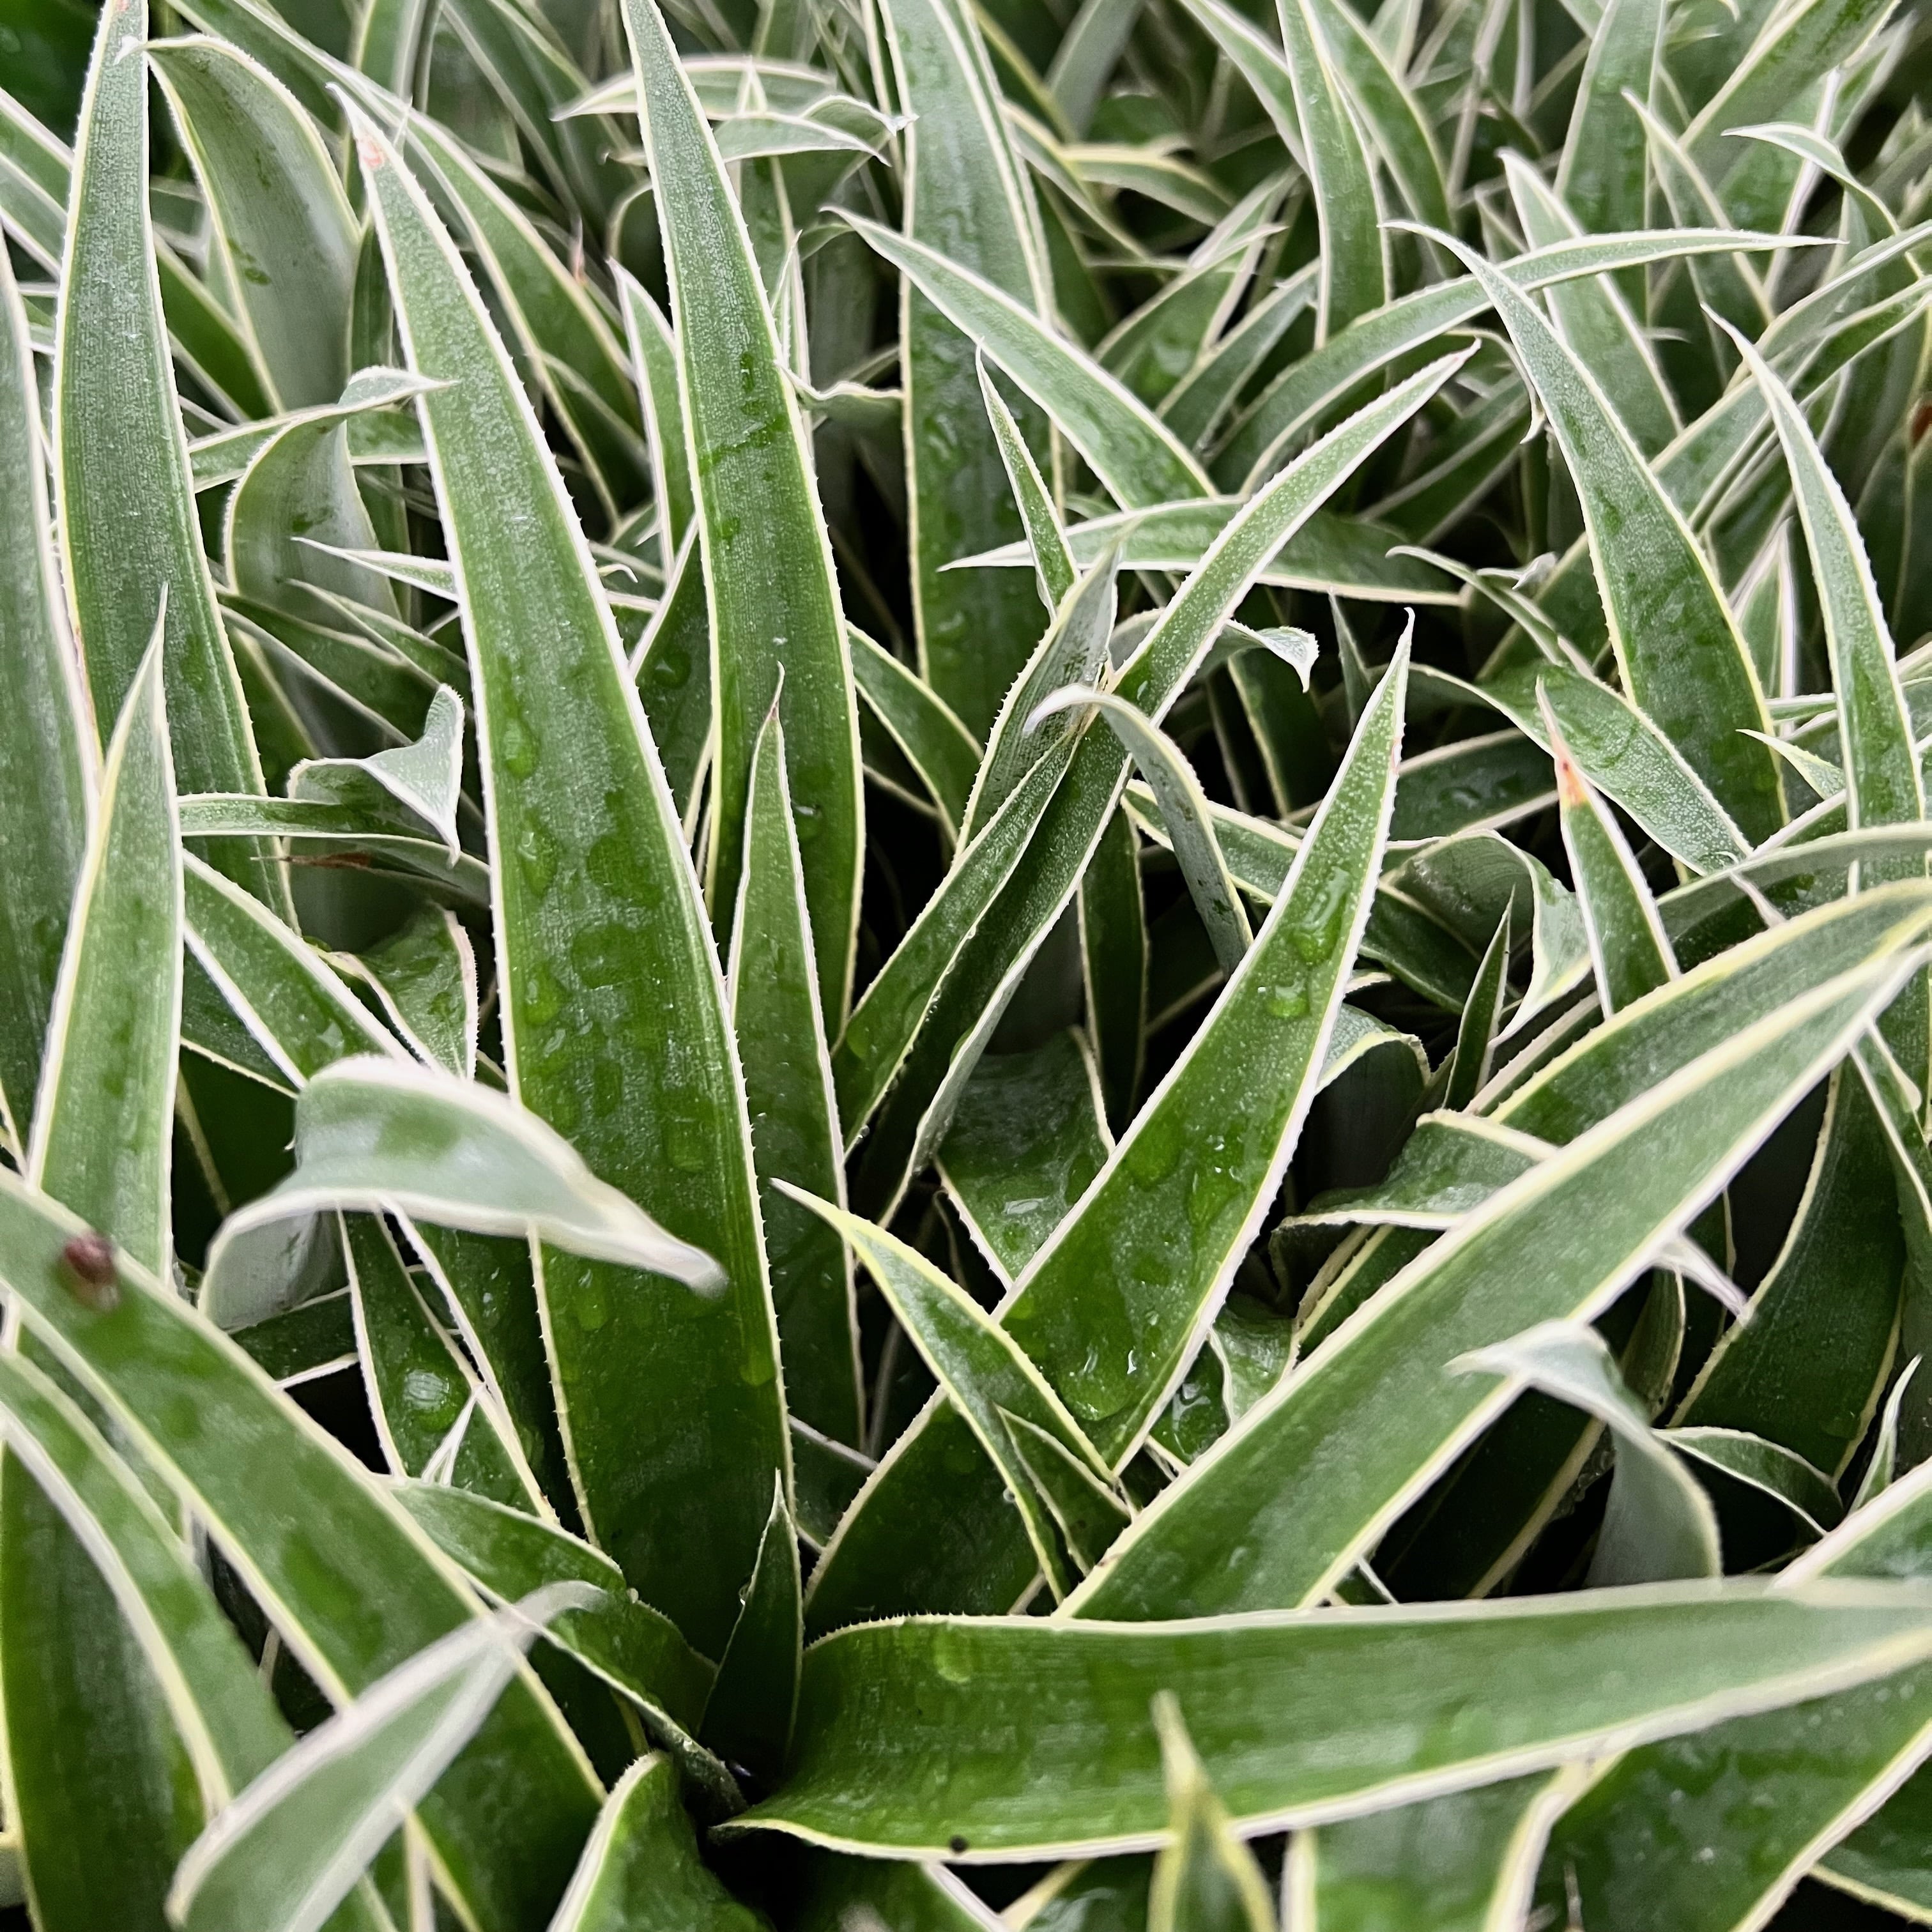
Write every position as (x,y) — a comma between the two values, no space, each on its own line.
(1602,174)
(908,1897)
(748,1718)
(386,1134)
(1354,264)
(767,558)
(1194,409)
(1768,1467)
(1205,1879)
(520,51)
(1796,45)
(1823,1764)
(636,1650)
(289,1849)
(230,1728)
(939,748)
(1155,347)
(597,912)
(104,1118)
(425,777)
(1349,555)
(971,960)
(103,1133)
(654,361)
(424,976)
(641,1871)
(1465,882)
(279,215)
(1090,1512)
(1040,1722)
(295,1008)
(297,491)
(1462,1864)
(1807,1367)
(1658,1525)
(1132,452)
(1657,583)
(1304,97)
(1312,1475)
(1389,112)
(388,42)
(430,1412)
(1628,946)
(564,337)
(1450,1164)
(982,1371)
(1053,563)
(795,1137)
(35,188)
(1072,652)
(1468,1065)
(122,483)
(826,1476)
(264,1477)
(46,740)
(1874,725)
(1727,284)
(1595,320)
(1183,809)
(1087,54)
(966,193)
(1027,1139)
(1111,1307)
(672,666)
(1114,960)
(129,1690)
(1308,389)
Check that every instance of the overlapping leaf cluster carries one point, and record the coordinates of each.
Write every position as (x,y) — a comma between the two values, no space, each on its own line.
(965,965)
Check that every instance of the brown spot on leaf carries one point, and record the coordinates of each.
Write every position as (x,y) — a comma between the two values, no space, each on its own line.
(88,1260)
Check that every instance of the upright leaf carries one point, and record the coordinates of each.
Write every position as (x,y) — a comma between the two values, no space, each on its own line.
(1054,565)
(606,959)
(967,196)
(971,960)
(128,533)
(1876,736)
(1628,946)
(1205,1879)
(1303,95)
(641,1871)
(1596,321)
(1677,643)
(1604,172)
(1805,1369)
(795,1137)
(1354,268)
(280,215)
(46,736)
(767,558)
(89,1730)
(748,1718)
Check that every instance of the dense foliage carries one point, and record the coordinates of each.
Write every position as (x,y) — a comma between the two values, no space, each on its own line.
(965,965)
